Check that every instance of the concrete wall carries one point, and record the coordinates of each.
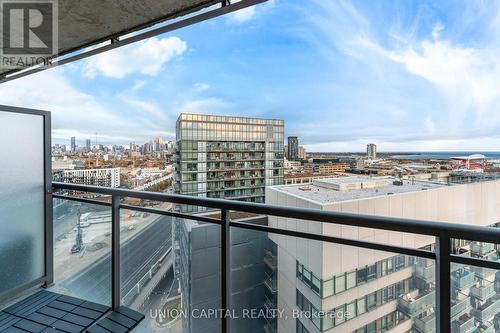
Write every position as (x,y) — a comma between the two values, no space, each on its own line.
(203,278)
(291,249)
(476,204)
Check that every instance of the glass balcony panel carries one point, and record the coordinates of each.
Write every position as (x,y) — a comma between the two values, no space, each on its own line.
(82,250)
(460,304)
(417,303)
(483,289)
(22,222)
(426,323)
(147,275)
(462,277)
(425,269)
(197,267)
(314,284)
(463,324)
(486,312)
(476,307)
(274,273)
(480,250)
(170,268)
(254,283)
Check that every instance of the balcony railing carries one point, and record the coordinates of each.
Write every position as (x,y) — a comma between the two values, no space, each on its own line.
(482,249)
(488,310)
(485,328)
(484,272)
(460,306)
(462,278)
(270,305)
(272,285)
(463,324)
(483,290)
(426,271)
(443,233)
(426,324)
(415,304)
(270,260)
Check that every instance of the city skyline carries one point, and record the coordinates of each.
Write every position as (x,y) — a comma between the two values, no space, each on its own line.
(289,167)
(417,76)
(80,143)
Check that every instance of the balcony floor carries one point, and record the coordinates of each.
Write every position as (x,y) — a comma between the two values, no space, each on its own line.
(47,311)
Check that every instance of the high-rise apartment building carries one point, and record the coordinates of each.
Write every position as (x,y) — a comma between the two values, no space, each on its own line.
(133,147)
(371,151)
(147,148)
(232,158)
(158,144)
(293,148)
(228,157)
(361,290)
(73,144)
(88,145)
(109,177)
(302,153)
(197,268)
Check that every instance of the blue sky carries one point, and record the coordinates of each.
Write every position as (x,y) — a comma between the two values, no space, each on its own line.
(407,75)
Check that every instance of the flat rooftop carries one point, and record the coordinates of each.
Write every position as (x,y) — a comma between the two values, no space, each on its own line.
(323,193)
(354,179)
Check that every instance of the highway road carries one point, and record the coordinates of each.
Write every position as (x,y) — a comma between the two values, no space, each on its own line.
(64,223)
(138,254)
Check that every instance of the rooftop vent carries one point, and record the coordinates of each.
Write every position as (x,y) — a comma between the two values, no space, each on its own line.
(352,183)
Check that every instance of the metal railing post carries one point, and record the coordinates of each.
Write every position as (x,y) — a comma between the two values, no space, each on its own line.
(115,252)
(443,286)
(225,269)
(49,213)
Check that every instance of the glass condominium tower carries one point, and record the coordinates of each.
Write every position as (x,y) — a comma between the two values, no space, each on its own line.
(228,157)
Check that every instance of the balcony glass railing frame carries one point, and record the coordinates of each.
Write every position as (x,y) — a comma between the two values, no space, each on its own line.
(47,278)
(443,233)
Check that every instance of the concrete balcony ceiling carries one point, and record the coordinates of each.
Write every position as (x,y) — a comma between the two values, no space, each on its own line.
(83,24)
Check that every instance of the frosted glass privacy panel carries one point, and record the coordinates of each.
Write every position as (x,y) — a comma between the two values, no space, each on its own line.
(22,221)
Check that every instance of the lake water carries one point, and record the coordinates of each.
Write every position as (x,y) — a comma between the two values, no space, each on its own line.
(444,155)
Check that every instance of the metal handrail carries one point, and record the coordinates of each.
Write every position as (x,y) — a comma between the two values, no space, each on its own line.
(429,228)
(443,232)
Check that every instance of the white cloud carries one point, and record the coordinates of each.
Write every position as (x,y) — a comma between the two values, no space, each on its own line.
(147,57)
(78,113)
(242,15)
(436,31)
(51,90)
(146,106)
(207,105)
(468,78)
(446,84)
(138,85)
